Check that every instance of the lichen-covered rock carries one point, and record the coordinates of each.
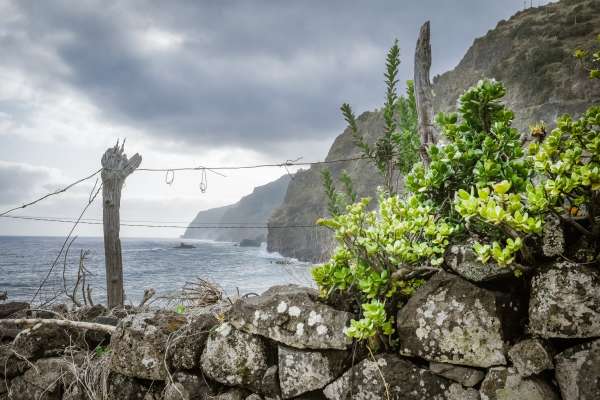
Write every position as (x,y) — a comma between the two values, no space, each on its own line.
(253,396)
(43,380)
(45,341)
(20,389)
(302,371)
(235,358)
(90,313)
(270,382)
(97,338)
(453,321)
(10,364)
(531,356)
(140,341)
(578,372)
(7,310)
(457,392)
(565,302)
(232,394)
(464,375)
(187,386)
(188,342)
(292,315)
(387,375)
(463,260)
(121,387)
(553,237)
(506,384)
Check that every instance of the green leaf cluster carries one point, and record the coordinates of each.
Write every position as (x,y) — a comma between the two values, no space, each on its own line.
(567,164)
(374,245)
(482,148)
(374,320)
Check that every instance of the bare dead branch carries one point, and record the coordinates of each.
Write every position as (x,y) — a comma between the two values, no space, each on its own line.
(29,322)
(424,92)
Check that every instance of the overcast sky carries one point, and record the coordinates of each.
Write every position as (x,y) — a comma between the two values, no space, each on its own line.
(195,82)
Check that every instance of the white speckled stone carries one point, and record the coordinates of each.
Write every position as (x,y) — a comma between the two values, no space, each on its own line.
(565,302)
(450,320)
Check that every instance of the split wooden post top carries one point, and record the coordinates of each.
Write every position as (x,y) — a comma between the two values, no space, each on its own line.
(116,168)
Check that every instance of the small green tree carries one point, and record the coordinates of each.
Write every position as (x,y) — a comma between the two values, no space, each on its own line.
(396,150)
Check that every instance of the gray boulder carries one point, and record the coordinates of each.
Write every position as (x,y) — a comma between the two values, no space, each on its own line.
(188,342)
(387,375)
(140,341)
(531,356)
(457,392)
(293,316)
(302,371)
(187,386)
(43,380)
(565,302)
(235,358)
(464,375)
(463,260)
(8,310)
(451,320)
(506,384)
(270,382)
(121,387)
(578,372)
(45,341)
(553,237)
(10,364)
(233,394)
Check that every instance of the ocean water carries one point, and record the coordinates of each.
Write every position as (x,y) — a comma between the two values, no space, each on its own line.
(147,263)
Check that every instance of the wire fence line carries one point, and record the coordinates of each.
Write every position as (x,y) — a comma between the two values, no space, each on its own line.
(289,163)
(191,226)
(80,220)
(59,191)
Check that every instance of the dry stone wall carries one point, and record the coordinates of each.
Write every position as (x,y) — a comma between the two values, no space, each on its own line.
(457,339)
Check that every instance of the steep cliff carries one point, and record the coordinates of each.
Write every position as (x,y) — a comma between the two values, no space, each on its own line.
(305,199)
(531,53)
(252,210)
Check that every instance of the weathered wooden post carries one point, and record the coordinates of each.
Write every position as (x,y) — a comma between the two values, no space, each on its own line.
(116,168)
(424,92)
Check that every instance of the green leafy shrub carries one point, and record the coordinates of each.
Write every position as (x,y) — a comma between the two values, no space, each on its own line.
(380,254)
(567,163)
(480,184)
(482,149)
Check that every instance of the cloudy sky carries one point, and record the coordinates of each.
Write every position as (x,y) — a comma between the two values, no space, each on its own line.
(195,83)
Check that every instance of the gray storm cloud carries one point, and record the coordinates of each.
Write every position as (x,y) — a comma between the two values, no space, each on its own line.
(19,179)
(257,74)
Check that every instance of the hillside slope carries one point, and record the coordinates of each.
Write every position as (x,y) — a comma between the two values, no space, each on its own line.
(253,209)
(531,53)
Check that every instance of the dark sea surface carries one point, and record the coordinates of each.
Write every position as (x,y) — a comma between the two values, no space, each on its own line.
(147,263)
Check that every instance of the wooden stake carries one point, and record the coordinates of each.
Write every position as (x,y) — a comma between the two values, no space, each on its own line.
(116,168)
(424,92)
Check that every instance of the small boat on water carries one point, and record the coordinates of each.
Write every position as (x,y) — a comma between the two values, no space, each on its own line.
(185,246)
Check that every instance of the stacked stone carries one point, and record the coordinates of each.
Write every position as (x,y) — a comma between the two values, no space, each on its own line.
(473,331)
